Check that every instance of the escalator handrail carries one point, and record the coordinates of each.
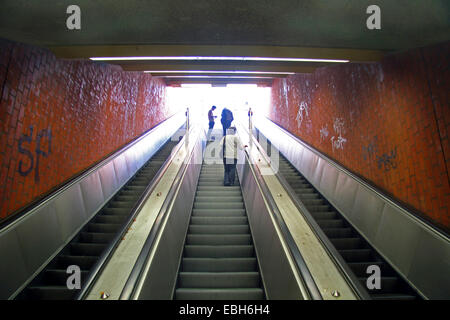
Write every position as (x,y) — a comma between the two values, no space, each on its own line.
(420,220)
(129,289)
(108,252)
(300,263)
(349,276)
(9,222)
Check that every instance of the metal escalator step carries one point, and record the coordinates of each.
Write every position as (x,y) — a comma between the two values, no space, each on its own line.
(134,188)
(360,268)
(314,202)
(320,208)
(217,183)
(218,229)
(218,205)
(111,219)
(356,255)
(222,239)
(330,223)
(121,204)
(337,232)
(58,277)
(103,227)
(323,215)
(347,243)
(130,193)
(87,249)
(219,264)
(387,285)
(218,188)
(219,251)
(308,196)
(225,193)
(96,237)
(115,211)
(223,198)
(219,280)
(219,294)
(304,190)
(218,212)
(218,220)
(84,262)
(50,293)
(126,198)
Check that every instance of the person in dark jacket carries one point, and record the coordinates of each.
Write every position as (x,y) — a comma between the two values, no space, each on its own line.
(226,119)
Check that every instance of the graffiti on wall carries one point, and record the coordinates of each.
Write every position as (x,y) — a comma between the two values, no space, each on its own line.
(369,151)
(324,133)
(388,161)
(302,113)
(338,141)
(24,147)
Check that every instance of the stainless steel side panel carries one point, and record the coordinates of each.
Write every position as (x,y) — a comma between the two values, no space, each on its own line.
(277,273)
(159,280)
(417,251)
(31,241)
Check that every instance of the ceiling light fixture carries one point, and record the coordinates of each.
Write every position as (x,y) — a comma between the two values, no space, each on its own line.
(200,58)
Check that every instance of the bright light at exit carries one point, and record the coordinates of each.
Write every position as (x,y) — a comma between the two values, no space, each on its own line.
(199,98)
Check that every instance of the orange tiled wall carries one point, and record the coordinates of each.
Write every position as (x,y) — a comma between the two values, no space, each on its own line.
(59,117)
(387,122)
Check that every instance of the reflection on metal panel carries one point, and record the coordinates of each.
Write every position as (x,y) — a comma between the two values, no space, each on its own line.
(417,251)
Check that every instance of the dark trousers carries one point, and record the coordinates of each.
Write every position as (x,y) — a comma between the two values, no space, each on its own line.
(230,171)
(211,124)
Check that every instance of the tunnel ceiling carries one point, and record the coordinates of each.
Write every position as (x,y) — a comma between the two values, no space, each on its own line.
(314,28)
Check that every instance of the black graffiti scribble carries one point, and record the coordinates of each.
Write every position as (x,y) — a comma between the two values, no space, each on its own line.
(388,161)
(370,151)
(45,133)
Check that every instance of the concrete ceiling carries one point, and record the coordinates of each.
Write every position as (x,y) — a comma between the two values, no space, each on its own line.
(240,24)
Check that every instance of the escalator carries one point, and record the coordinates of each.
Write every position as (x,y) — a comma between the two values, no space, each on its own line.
(85,249)
(219,259)
(354,249)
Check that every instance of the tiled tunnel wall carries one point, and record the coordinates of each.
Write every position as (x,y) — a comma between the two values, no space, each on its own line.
(388,122)
(59,117)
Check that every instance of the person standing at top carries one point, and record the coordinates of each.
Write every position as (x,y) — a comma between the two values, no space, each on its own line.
(211,118)
(226,119)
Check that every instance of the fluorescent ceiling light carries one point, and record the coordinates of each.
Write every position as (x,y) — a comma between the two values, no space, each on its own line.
(218,77)
(218,72)
(217,58)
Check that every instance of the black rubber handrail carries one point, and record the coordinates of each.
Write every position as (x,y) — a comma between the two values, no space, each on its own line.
(108,252)
(129,289)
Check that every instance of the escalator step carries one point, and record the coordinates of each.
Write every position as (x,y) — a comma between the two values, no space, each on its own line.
(96,237)
(330,223)
(103,227)
(360,268)
(227,193)
(356,255)
(218,205)
(219,264)
(347,243)
(213,239)
(393,296)
(219,280)
(219,251)
(323,215)
(84,262)
(219,294)
(219,229)
(218,212)
(387,285)
(115,211)
(58,277)
(223,198)
(337,232)
(121,204)
(87,249)
(111,219)
(219,220)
